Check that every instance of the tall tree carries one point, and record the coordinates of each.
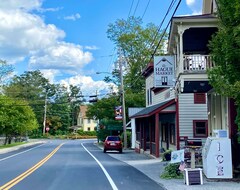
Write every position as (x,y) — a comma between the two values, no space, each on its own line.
(32,87)
(225,48)
(16,118)
(137,44)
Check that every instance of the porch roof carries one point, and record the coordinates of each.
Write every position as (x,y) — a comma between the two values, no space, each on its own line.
(148,111)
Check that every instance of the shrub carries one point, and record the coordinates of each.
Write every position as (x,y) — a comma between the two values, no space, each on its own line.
(172,171)
(129,138)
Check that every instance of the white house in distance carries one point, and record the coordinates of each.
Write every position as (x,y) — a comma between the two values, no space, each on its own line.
(84,123)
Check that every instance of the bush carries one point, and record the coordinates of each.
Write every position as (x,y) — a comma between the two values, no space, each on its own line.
(172,171)
(86,133)
(129,138)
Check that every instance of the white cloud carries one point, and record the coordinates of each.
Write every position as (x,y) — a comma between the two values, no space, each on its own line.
(68,58)
(195,6)
(88,85)
(20,4)
(190,2)
(50,74)
(25,35)
(73,17)
(22,34)
(91,47)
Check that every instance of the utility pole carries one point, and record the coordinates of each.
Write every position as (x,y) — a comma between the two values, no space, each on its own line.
(120,61)
(45,114)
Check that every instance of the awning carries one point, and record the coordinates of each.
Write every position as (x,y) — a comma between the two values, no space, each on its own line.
(148,111)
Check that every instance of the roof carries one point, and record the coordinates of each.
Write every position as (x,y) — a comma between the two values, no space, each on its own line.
(209,20)
(148,111)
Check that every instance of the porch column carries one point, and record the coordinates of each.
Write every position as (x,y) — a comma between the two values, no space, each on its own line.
(157,134)
(133,125)
(180,33)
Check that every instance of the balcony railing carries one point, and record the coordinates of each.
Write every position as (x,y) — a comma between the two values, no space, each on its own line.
(197,63)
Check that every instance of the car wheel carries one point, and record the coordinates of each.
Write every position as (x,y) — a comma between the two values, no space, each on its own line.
(120,151)
(104,150)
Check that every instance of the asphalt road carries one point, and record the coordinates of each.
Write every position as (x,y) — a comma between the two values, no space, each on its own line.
(72,164)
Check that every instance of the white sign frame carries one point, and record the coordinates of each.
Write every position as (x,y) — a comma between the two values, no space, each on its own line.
(164,74)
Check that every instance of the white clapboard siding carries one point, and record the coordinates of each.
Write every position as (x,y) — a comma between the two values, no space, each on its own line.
(160,96)
(188,111)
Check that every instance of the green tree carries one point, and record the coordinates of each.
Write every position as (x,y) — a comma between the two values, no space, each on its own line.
(16,118)
(138,44)
(32,87)
(225,49)
(59,111)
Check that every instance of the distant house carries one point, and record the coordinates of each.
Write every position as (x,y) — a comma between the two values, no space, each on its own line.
(83,122)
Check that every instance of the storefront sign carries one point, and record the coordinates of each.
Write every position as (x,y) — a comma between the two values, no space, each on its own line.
(164,71)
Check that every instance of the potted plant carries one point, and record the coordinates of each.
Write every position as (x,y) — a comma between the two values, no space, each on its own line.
(167,155)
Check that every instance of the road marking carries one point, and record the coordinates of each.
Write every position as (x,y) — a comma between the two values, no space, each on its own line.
(29,171)
(20,152)
(114,187)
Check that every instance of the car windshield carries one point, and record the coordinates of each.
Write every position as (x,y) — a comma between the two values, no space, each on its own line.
(113,139)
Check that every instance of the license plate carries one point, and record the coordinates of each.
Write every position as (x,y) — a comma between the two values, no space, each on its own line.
(113,144)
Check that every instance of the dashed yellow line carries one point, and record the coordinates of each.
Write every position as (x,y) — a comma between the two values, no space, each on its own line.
(29,171)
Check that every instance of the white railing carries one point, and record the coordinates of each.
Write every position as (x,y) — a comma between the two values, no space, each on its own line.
(196,63)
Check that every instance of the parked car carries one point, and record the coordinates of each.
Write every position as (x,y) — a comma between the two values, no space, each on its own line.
(112,143)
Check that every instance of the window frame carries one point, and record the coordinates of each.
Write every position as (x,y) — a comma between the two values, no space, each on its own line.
(194,129)
(201,100)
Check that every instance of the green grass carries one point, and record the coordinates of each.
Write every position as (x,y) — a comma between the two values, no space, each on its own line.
(11,145)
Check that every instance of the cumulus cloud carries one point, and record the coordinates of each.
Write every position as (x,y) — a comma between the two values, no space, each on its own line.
(22,34)
(20,4)
(25,35)
(73,17)
(195,6)
(88,85)
(63,56)
(91,47)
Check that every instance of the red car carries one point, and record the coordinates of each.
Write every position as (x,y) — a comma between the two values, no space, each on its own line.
(113,143)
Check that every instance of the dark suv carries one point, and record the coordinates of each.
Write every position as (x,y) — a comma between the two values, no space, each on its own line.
(113,143)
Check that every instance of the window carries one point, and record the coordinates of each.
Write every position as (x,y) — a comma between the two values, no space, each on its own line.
(199,98)
(89,129)
(163,133)
(172,133)
(89,121)
(200,128)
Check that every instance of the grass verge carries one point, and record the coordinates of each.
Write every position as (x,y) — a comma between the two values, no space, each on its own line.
(12,145)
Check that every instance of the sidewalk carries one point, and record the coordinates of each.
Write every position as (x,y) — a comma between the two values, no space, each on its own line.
(153,167)
(29,143)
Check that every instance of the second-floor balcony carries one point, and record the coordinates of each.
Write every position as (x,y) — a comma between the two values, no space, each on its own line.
(196,63)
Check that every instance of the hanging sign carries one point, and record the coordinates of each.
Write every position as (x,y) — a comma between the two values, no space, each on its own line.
(164,71)
(118,112)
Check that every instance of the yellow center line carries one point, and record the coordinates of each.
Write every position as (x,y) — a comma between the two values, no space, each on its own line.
(29,171)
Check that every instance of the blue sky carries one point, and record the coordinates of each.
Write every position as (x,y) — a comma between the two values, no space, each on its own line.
(67,40)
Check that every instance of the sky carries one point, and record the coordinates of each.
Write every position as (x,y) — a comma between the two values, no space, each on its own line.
(66,39)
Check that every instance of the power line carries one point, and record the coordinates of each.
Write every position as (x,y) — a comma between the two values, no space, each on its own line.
(135,8)
(157,31)
(146,9)
(130,9)
(165,29)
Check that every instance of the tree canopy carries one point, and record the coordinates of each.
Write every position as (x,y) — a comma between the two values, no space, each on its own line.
(16,118)
(137,44)
(225,49)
